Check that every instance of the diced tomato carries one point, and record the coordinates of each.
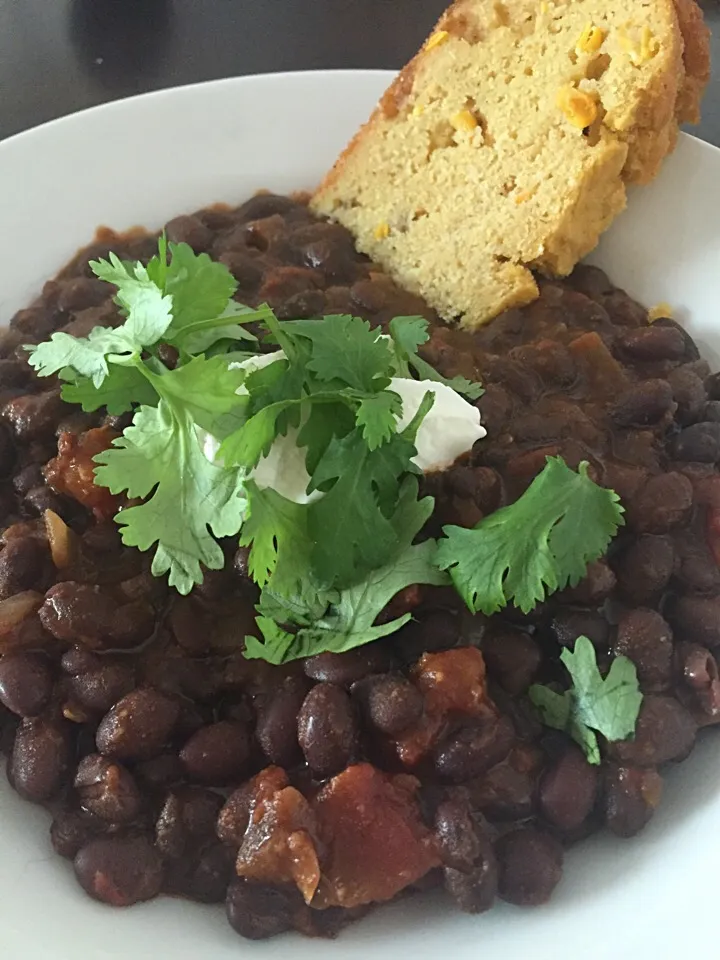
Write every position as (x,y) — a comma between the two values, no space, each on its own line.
(279,845)
(377,843)
(72,472)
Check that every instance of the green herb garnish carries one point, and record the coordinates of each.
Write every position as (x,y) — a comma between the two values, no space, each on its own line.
(329,566)
(539,544)
(593,704)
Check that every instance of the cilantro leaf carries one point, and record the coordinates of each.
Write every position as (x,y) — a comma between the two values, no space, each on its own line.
(537,545)
(161,455)
(345,351)
(351,526)
(200,287)
(146,307)
(349,621)
(207,389)
(376,417)
(87,356)
(410,333)
(594,704)
(121,390)
(273,527)
(407,334)
(325,422)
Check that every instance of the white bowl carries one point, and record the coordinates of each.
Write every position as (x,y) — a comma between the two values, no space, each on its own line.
(144,160)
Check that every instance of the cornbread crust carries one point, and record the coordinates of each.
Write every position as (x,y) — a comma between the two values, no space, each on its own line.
(475,167)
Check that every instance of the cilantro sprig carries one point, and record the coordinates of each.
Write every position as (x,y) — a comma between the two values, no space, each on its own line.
(329,565)
(189,501)
(539,544)
(594,704)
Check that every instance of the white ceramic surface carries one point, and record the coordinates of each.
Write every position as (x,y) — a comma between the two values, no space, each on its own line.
(144,160)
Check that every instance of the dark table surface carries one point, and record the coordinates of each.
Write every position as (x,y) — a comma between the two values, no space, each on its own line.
(58,56)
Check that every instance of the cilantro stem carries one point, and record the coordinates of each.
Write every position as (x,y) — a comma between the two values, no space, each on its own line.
(261,315)
(162,258)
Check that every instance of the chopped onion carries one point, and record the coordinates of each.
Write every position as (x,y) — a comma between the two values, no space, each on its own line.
(18,608)
(62,540)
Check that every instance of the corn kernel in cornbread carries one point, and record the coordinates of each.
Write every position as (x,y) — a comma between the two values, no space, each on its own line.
(579,107)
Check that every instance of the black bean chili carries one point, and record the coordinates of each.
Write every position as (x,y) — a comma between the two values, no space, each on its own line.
(299,795)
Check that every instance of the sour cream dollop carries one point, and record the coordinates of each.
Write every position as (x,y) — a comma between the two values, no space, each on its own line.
(450,429)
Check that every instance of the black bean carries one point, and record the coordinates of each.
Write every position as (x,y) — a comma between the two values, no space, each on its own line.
(595,587)
(107,789)
(568,789)
(7,451)
(655,342)
(234,817)
(507,791)
(72,829)
(36,322)
(327,730)
(190,230)
(644,568)
(41,758)
(665,731)
(22,565)
(711,412)
(592,281)
(187,820)
(550,360)
(119,871)
(695,568)
(699,442)
(132,623)
(34,416)
(263,205)
(696,620)
(80,293)
(646,638)
(78,612)
(25,683)
(13,375)
(712,385)
(160,772)
(205,878)
(482,485)
(689,394)
(97,682)
(700,676)
(459,843)
(345,668)
(496,407)
(474,891)
(257,911)
(473,750)
(389,702)
(42,498)
(631,796)
(529,866)
(512,657)
(643,404)
(692,354)
(30,476)
(570,623)
(217,754)
(276,729)
(662,504)
(300,306)
(139,726)
(439,630)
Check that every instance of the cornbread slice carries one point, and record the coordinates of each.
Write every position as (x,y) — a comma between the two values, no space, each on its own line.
(506,144)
